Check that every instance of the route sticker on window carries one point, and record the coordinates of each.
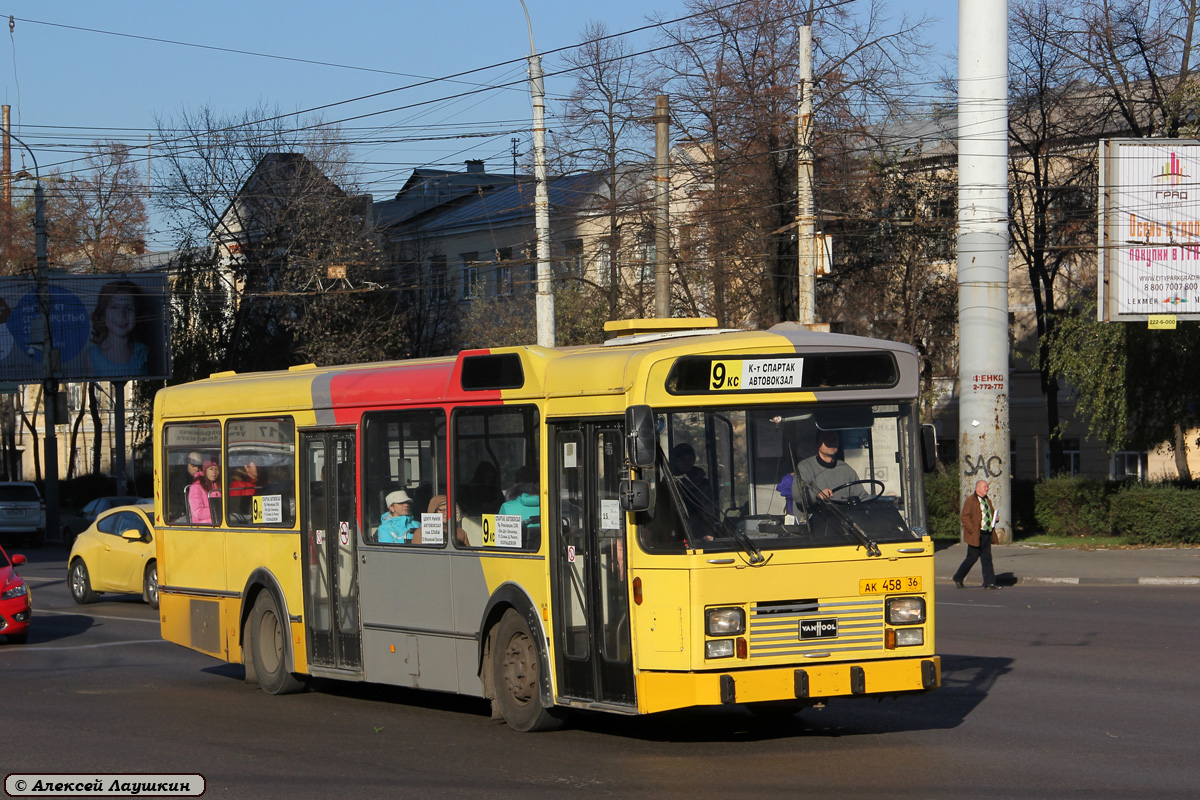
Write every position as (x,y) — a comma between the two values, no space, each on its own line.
(610,515)
(267,508)
(432,531)
(501,530)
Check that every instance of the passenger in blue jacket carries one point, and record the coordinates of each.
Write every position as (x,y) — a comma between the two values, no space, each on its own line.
(522,498)
(397,524)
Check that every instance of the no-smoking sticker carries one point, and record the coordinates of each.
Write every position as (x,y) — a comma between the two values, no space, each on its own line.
(344,533)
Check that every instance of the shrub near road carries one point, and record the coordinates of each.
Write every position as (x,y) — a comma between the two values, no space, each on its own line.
(1156,514)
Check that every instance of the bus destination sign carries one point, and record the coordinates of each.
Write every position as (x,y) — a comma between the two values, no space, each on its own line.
(748,375)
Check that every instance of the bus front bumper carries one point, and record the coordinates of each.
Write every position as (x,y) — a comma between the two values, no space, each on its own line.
(663,691)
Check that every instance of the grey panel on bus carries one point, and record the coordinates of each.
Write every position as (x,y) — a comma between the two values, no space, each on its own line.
(420,661)
(470,598)
(206,625)
(406,587)
(468,665)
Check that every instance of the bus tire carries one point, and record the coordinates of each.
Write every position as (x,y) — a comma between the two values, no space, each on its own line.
(515,677)
(269,647)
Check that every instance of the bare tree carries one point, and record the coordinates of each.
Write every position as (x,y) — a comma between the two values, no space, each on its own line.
(604,130)
(732,75)
(103,209)
(1055,119)
(273,198)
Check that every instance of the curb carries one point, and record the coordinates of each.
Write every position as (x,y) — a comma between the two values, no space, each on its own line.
(1106,581)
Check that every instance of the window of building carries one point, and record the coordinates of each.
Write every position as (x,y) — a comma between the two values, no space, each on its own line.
(405,451)
(1071,456)
(572,263)
(439,280)
(504,272)
(472,285)
(603,265)
(187,447)
(495,477)
(1128,465)
(260,481)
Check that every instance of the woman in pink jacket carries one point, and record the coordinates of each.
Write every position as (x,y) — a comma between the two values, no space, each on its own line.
(204,495)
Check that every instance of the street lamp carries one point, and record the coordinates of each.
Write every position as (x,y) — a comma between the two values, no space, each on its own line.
(541,201)
(49,384)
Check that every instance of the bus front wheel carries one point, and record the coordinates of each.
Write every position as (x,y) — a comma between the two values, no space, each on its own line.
(268,647)
(515,677)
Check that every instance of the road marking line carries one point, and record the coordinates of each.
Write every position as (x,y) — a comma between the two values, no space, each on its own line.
(25,648)
(37,610)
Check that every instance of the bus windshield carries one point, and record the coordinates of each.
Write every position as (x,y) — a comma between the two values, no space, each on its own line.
(763,478)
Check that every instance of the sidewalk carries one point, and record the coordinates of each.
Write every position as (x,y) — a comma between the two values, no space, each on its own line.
(1027,564)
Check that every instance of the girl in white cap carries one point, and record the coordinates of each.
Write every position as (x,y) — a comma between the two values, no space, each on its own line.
(397,524)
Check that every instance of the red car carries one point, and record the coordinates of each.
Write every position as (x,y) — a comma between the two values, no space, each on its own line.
(15,604)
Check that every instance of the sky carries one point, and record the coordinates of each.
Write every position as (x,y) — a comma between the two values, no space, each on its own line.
(77,71)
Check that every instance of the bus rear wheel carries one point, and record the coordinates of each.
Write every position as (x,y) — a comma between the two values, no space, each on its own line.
(515,677)
(268,647)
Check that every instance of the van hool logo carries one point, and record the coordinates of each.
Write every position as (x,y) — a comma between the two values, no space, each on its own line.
(1172,172)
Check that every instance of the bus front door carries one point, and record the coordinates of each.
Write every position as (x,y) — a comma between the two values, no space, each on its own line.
(329,516)
(589,576)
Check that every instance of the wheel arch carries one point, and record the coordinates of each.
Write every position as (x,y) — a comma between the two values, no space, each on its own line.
(510,595)
(263,580)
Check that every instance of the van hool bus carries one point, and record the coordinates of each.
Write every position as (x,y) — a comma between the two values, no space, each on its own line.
(680,516)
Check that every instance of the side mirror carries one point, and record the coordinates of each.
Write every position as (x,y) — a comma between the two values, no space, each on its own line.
(928,448)
(641,444)
(17,559)
(133,535)
(635,495)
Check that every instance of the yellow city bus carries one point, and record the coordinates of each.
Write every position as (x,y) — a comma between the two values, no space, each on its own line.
(633,526)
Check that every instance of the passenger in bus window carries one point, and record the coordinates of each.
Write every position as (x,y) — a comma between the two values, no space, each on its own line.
(482,494)
(193,464)
(522,498)
(819,474)
(243,482)
(397,524)
(204,495)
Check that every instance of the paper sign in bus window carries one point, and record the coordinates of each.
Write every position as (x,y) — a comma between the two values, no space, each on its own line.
(432,530)
(268,508)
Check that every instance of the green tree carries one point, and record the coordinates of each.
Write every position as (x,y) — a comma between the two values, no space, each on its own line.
(1135,387)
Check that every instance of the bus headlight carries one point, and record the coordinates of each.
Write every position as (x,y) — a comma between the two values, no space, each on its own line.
(908,637)
(724,621)
(905,610)
(718,648)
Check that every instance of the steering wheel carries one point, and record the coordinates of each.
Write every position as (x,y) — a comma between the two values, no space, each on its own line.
(849,500)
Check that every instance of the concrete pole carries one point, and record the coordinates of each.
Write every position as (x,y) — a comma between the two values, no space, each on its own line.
(806,221)
(662,207)
(983,333)
(541,200)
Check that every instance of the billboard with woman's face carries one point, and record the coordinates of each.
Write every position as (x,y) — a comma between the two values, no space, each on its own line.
(105,327)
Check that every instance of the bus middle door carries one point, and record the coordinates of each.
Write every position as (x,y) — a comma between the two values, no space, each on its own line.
(590,571)
(329,517)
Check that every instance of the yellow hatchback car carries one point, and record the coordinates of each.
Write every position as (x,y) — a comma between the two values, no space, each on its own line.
(115,554)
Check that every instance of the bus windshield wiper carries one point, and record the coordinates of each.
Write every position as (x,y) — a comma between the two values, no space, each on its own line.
(688,497)
(843,520)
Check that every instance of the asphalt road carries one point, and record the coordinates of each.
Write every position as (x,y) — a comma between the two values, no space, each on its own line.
(1049,691)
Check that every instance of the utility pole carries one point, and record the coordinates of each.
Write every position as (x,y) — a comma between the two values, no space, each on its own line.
(806,221)
(662,207)
(983,347)
(541,200)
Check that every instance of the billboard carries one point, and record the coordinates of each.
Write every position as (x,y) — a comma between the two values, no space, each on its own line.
(1149,229)
(104,327)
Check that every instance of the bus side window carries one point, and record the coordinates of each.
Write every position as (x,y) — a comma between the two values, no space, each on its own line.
(402,451)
